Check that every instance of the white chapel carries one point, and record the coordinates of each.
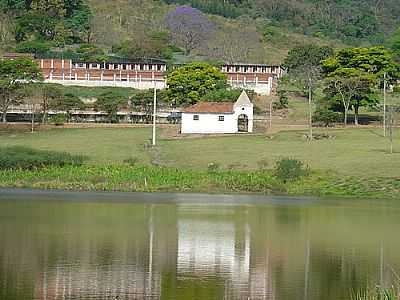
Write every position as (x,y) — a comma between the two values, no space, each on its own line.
(219,117)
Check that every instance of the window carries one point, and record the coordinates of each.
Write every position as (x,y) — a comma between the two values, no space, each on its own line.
(196,117)
(221,118)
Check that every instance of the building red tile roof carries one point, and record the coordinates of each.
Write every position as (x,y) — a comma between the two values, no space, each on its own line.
(210,107)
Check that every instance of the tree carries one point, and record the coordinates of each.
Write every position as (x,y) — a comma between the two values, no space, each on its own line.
(111,103)
(153,45)
(189,27)
(60,21)
(353,73)
(394,43)
(143,101)
(67,103)
(188,84)
(49,94)
(235,43)
(14,75)
(304,66)
(351,90)
(90,52)
(5,29)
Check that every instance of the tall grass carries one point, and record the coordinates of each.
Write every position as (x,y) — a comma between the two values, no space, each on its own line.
(377,294)
(135,177)
(17,157)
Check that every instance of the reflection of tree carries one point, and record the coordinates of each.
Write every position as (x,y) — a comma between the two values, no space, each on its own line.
(255,251)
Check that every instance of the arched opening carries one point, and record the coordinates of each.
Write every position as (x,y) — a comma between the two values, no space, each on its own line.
(243,123)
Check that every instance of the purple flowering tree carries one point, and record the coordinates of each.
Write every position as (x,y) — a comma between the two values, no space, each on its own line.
(189,27)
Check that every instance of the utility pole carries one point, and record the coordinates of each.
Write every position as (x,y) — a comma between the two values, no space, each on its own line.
(384,104)
(271,107)
(310,109)
(154,114)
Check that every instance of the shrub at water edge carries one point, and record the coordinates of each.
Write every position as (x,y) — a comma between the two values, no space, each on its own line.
(290,169)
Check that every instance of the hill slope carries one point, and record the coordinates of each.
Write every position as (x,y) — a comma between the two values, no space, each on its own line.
(248,39)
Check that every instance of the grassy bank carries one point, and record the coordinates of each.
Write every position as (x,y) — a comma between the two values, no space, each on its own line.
(349,152)
(352,162)
(162,179)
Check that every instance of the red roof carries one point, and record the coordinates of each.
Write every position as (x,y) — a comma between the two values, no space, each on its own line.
(210,107)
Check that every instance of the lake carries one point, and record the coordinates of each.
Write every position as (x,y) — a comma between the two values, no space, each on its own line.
(59,245)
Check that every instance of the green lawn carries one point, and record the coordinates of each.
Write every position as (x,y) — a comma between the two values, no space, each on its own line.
(352,151)
(101,145)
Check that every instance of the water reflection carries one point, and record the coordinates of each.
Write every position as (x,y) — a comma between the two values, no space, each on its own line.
(98,250)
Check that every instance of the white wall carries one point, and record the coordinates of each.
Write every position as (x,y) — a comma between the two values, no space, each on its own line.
(209,123)
(262,88)
(140,85)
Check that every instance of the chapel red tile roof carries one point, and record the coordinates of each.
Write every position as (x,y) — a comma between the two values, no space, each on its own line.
(210,107)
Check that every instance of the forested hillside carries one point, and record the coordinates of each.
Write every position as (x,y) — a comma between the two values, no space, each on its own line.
(353,21)
(258,31)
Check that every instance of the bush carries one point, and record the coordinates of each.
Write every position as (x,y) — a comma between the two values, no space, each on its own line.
(326,117)
(289,169)
(283,100)
(19,157)
(58,119)
(132,161)
(36,47)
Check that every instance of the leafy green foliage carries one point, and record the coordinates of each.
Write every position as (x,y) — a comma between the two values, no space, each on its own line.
(111,103)
(36,47)
(67,103)
(188,84)
(15,75)
(326,117)
(18,157)
(394,44)
(289,169)
(58,119)
(153,45)
(283,99)
(90,52)
(304,56)
(56,20)
(352,21)
(353,73)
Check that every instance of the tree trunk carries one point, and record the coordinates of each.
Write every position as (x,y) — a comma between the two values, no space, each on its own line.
(33,120)
(44,117)
(310,113)
(356,109)
(4,119)
(345,117)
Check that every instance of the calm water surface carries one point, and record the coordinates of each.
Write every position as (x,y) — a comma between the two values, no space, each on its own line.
(167,246)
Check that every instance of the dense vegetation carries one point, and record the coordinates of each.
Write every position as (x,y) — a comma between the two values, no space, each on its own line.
(249,30)
(351,21)
(23,158)
(52,20)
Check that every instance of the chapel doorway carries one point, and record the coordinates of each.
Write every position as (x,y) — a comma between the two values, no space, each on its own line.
(243,123)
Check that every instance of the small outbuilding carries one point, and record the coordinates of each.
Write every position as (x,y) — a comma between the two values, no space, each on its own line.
(219,117)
